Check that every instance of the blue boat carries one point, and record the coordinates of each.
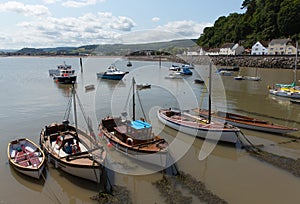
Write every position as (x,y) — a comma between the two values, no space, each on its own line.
(112,73)
(186,71)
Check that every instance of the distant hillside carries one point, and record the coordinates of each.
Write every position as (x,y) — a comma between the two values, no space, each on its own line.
(263,20)
(173,47)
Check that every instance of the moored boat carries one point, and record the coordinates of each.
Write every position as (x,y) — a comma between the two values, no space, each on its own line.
(64,74)
(143,86)
(26,157)
(112,73)
(135,138)
(198,126)
(246,122)
(66,146)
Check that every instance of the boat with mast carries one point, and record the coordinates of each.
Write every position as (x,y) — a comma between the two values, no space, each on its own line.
(67,147)
(246,122)
(134,138)
(198,126)
(288,90)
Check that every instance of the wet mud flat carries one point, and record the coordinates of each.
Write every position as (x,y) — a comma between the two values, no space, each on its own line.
(168,187)
(286,163)
(119,195)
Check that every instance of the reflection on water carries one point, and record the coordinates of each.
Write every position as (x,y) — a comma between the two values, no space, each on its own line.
(31,100)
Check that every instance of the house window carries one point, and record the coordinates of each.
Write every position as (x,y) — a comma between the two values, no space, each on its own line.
(256,49)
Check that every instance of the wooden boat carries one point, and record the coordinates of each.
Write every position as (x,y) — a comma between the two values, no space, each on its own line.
(134,138)
(246,122)
(198,126)
(67,148)
(26,157)
(112,73)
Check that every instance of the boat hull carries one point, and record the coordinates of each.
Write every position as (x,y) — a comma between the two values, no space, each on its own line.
(257,125)
(32,170)
(228,136)
(111,76)
(81,164)
(286,94)
(159,159)
(65,79)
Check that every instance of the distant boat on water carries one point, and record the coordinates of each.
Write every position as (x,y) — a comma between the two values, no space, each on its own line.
(112,73)
(64,74)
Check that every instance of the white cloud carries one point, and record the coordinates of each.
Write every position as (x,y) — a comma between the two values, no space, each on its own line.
(50,1)
(80,3)
(70,31)
(28,10)
(187,29)
(155,19)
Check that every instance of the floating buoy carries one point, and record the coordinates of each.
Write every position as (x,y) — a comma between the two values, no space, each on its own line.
(109,145)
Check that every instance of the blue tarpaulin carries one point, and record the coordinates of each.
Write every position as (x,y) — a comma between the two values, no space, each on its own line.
(138,124)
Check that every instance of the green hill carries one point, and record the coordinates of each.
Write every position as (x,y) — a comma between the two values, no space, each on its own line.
(262,20)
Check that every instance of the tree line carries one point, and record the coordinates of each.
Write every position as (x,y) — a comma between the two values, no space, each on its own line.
(263,20)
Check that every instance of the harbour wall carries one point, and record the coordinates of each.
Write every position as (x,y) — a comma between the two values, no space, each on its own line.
(267,61)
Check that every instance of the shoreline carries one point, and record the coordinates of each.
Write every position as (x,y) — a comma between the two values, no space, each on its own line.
(250,61)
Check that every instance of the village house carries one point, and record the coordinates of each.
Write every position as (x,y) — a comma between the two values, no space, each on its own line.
(281,47)
(260,48)
(231,49)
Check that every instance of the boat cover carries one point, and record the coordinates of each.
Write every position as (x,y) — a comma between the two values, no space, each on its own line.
(138,124)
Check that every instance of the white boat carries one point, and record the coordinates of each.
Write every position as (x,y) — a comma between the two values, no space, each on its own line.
(252,78)
(174,68)
(198,126)
(53,72)
(64,74)
(174,75)
(225,73)
(66,146)
(26,157)
(112,73)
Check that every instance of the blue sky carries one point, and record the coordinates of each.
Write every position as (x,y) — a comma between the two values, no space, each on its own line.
(54,23)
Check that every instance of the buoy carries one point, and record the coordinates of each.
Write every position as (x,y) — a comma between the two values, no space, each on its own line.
(109,145)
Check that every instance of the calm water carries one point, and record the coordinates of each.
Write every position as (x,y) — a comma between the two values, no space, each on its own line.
(30,100)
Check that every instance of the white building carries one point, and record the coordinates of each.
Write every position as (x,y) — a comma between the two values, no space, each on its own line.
(260,48)
(231,49)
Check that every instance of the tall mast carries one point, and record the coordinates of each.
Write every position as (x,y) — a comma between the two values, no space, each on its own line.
(209,94)
(133,99)
(74,103)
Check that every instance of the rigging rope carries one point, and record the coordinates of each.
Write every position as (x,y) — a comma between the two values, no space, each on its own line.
(68,110)
(138,95)
(127,100)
